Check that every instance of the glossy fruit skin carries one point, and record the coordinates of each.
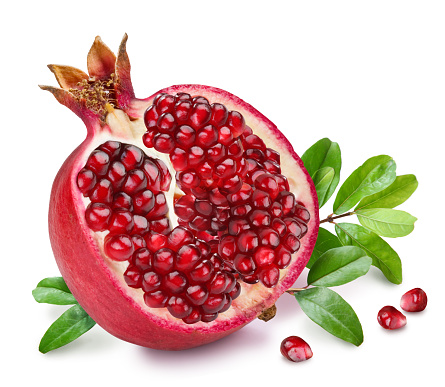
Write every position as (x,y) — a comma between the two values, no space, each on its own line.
(391,318)
(414,300)
(295,349)
(96,284)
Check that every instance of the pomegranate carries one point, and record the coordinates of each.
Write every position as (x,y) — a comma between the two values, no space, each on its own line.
(414,300)
(182,216)
(390,318)
(295,349)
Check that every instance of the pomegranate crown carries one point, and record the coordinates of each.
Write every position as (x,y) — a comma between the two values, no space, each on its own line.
(107,84)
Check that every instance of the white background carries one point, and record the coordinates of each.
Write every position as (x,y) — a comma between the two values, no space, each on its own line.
(367,74)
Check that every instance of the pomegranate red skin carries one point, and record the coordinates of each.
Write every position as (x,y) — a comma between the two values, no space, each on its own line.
(102,292)
(414,300)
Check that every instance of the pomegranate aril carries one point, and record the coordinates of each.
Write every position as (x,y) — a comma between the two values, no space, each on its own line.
(203,207)
(187,257)
(179,237)
(270,276)
(174,282)
(200,99)
(295,349)
(293,226)
(267,183)
(291,242)
(390,318)
(227,303)
(244,264)
(102,192)
(179,159)
(213,304)
(236,291)
(219,114)
(227,247)
(118,247)
(143,259)
(86,180)
(151,281)
(200,115)
(121,222)
(272,154)
(202,272)
(415,300)
(155,241)
(98,162)
(216,153)
(178,307)
(116,174)
(97,216)
(156,299)
(209,317)
(161,226)
(138,242)
(196,156)
(225,135)
(163,261)
(252,141)
(197,294)
(187,180)
(268,237)
(261,199)
(247,241)
(133,277)
(135,181)
(259,218)
(163,143)
(264,256)
(166,123)
(160,208)
(226,168)
(131,157)
(218,284)
(165,103)
(283,257)
(143,202)
(113,148)
(235,121)
(182,110)
(207,136)
(185,136)
(235,149)
(231,185)
(184,208)
(151,117)
(302,213)
(141,225)
(193,317)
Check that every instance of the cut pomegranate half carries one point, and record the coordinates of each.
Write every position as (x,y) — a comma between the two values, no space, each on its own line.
(173,263)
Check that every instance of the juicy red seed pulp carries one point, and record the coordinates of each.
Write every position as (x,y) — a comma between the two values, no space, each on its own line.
(390,318)
(295,349)
(172,267)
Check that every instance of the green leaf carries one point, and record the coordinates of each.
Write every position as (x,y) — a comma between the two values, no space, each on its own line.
(373,176)
(324,153)
(322,180)
(67,328)
(329,310)
(397,193)
(382,254)
(386,221)
(339,266)
(325,241)
(53,290)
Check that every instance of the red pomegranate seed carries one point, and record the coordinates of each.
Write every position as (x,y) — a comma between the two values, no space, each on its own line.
(151,281)
(163,143)
(156,299)
(295,349)
(187,257)
(270,276)
(196,156)
(219,114)
(86,180)
(113,148)
(414,300)
(116,174)
(225,135)
(269,237)
(134,182)
(131,157)
(138,242)
(185,136)
(235,121)
(118,247)
(200,115)
(143,259)
(213,304)
(193,317)
(247,241)
(179,159)
(197,294)
(151,117)
(283,257)
(264,256)
(166,123)
(178,307)
(97,216)
(102,192)
(165,103)
(155,241)
(174,282)
(244,264)
(390,318)
(219,283)
(179,237)
(163,261)
(133,277)
(143,202)
(207,136)
(160,208)
(98,162)
(202,272)
(182,110)
(216,153)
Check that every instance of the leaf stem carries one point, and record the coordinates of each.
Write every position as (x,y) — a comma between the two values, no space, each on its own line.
(331,217)
(292,291)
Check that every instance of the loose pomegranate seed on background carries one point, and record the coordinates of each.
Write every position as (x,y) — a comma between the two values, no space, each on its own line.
(390,318)
(295,349)
(414,300)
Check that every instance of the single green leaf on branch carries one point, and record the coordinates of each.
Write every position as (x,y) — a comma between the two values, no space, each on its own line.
(376,174)
(323,154)
(325,241)
(387,222)
(323,180)
(67,328)
(53,290)
(339,266)
(382,254)
(396,194)
(329,310)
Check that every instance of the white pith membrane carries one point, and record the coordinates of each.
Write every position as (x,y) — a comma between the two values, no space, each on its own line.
(253,298)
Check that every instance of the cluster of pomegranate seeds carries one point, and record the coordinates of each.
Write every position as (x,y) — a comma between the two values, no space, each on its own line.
(235,194)
(173,268)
